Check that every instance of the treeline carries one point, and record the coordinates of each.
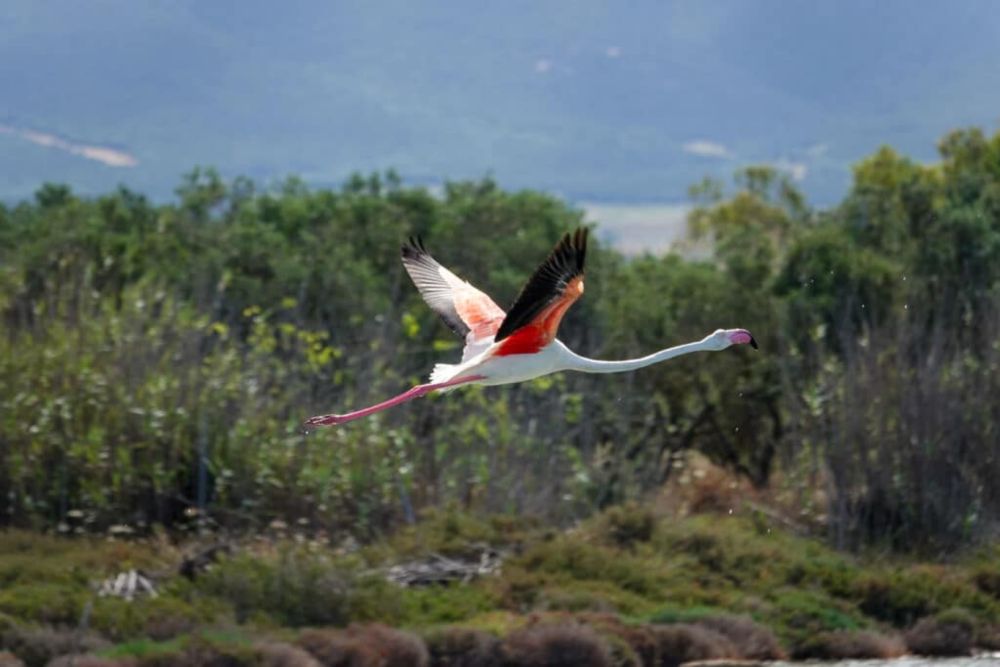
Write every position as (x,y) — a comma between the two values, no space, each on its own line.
(158,360)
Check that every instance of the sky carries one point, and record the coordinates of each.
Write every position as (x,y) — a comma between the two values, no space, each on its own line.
(616,107)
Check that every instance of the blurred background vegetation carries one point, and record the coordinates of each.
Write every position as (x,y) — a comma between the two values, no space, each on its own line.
(157,361)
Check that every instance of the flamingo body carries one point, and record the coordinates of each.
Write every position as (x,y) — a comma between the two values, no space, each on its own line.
(503,348)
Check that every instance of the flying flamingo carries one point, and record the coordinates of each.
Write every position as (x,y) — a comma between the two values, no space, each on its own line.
(519,345)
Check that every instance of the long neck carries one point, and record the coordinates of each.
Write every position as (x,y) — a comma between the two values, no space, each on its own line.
(575,362)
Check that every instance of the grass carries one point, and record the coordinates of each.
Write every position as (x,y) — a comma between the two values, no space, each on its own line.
(644,570)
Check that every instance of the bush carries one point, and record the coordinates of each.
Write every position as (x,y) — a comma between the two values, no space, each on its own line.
(946,634)
(751,640)
(298,588)
(556,646)
(448,603)
(462,647)
(335,648)
(988,637)
(364,645)
(158,618)
(36,646)
(395,648)
(54,603)
(627,524)
(683,642)
(575,558)
(89,661)
(849,645)
(628,642)
(987,579)
(275,654)
(800,614)
(200,652)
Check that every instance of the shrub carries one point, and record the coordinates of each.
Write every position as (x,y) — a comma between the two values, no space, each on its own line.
(556,646)
(231,648)
(395,648)
(902,597)
(683,642)
(275,654)
(799,614)
(639,640)
(987,579)
(55,603)
(363,645)
(627,524)
(752,640)
(575,599)
(335,648)
(571,557)
(450,603)
(849,645)
(159,618)
(298,589)
(36,646)
(948,633)
(462,647)
(988,637)
(677,614)
(89,661)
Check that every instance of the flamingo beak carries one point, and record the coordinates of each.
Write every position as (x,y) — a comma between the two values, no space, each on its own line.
(742,337)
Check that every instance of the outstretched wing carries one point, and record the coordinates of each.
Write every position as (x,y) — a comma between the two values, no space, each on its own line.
(466,310)
(550,291)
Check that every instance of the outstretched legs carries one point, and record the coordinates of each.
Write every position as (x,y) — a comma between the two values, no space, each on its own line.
(409,395)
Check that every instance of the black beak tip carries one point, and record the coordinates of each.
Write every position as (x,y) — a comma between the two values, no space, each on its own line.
(753,343)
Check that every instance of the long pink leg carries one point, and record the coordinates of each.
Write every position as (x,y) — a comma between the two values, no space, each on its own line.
(409,395)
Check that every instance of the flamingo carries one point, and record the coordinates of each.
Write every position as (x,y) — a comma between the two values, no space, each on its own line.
(503,348)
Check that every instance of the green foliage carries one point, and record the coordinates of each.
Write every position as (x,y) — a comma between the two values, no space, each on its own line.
(799,615)
(159,359)
(903,596)
(712,572)
(297,588)
(44,603)
(628,524)
(160,618)
(444,604)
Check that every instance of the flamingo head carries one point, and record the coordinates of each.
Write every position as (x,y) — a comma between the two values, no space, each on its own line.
(720,339)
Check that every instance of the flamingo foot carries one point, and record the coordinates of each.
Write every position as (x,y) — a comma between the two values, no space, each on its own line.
(325,420)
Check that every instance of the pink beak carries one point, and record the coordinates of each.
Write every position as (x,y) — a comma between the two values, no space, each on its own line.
(742,337)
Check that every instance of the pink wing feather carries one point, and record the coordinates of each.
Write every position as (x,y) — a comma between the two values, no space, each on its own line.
(467,311)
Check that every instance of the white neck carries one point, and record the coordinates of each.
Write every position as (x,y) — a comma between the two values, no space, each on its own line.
(574,362)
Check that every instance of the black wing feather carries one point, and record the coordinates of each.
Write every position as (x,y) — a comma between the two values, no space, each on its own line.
(547,283)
